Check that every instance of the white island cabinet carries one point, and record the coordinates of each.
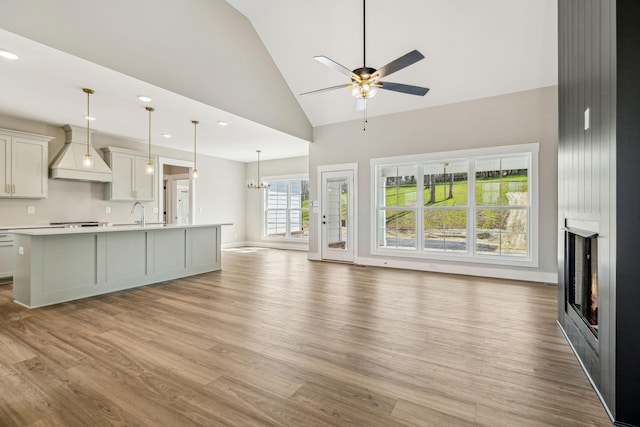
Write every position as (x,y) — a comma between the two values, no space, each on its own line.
(64,264)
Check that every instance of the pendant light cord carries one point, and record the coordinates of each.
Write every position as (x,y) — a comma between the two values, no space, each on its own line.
(88,134)
(150,110)
(195,157)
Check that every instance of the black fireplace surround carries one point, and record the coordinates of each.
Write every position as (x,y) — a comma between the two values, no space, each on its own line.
(581,281)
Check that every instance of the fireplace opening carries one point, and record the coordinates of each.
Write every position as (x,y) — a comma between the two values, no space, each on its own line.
(581,283)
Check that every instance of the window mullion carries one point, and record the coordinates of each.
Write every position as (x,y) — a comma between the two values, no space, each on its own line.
(288,211)
(420,207)
(471,211)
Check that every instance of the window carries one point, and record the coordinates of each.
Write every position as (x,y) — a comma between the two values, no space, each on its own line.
(446,206)
(286,213)
(397,211)
(474,205)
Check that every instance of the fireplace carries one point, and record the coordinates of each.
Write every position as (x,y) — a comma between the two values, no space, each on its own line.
(581,281)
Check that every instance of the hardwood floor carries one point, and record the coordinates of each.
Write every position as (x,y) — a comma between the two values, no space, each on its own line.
(274,339)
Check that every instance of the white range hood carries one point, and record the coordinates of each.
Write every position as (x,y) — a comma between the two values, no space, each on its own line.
(68,163)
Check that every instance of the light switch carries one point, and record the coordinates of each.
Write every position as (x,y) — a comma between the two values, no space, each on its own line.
(201,210)
(20,250)
(107,209)
(31,210)
(155,209)
(587,119)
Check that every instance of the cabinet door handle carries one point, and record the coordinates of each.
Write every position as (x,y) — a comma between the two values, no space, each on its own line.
(13,189)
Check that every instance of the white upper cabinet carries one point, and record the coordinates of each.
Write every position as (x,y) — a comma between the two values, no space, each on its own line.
(23,164)
(130,181)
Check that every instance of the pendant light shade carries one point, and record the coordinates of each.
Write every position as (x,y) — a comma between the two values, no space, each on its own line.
(149,168)
(259,184)
(87,162)
(194,174)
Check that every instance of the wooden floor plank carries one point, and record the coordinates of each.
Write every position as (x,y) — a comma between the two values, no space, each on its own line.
(276,340)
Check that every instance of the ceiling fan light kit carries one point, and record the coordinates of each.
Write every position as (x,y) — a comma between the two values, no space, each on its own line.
(365,81)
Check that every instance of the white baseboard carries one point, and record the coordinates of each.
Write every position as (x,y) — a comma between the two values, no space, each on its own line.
(279,245)
(469,270)
(234,245)
(475,270)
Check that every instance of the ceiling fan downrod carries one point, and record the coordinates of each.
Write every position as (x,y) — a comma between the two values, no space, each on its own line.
(364,33)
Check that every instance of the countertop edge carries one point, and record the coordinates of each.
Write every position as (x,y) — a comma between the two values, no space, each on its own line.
(106,229)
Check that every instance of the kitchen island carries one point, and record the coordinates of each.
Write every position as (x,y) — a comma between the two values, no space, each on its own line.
(53,265)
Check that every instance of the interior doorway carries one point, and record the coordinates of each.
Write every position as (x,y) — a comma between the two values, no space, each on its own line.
(177,198)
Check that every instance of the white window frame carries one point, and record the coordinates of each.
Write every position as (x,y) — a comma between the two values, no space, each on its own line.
(287,238)
(531,260)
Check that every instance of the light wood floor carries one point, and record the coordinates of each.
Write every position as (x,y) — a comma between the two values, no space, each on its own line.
(274,339)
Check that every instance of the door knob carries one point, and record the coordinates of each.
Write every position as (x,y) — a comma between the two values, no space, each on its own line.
(324,222)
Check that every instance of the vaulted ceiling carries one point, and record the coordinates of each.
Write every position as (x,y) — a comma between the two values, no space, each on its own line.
(473,48)
(202,59)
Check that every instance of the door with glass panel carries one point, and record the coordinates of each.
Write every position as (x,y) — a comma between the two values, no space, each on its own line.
(337,216)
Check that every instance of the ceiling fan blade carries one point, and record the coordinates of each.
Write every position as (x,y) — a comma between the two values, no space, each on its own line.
(398,87)
(326,89)
(334,65)
(398,64)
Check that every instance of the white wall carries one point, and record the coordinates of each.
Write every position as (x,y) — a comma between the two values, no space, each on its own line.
(523,117)
(281,167)
(219,189)
(202,49)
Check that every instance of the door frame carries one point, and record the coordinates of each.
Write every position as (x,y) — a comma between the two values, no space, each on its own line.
(337,168)
(192,193)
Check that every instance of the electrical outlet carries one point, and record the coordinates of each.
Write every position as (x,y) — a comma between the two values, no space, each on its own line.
(20,250)
(201,210)
(107,209)
(31,210)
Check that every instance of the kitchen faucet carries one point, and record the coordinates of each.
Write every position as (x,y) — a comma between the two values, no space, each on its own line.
(133,210)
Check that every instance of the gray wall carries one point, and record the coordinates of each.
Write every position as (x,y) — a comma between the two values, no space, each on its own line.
(516,118)
(202,49)
(219,189)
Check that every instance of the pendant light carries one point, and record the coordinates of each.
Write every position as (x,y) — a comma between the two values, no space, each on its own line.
(149,169)
(194,174)
(87,162)
(260,184)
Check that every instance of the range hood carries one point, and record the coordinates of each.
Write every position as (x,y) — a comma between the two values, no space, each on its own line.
(68,162)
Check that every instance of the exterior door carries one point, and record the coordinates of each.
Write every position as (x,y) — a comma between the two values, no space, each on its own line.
(337,216)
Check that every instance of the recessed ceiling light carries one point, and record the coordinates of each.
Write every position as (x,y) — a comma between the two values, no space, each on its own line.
(166,135)
(144,98)
(7,54)
(222,123)
(90,118)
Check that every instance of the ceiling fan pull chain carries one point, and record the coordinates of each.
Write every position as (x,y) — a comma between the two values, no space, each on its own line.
(364,125)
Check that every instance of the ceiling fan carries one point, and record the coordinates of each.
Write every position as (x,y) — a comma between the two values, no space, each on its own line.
(365,81)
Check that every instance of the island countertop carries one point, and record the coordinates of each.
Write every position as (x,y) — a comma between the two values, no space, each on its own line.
(53,265)
(105,229)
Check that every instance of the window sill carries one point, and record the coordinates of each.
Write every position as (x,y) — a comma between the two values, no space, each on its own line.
(514,260)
